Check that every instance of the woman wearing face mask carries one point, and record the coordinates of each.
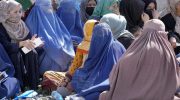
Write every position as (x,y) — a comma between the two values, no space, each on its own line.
(86,9)
(14,35)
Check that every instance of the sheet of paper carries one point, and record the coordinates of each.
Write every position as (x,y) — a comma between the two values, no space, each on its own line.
(37,43)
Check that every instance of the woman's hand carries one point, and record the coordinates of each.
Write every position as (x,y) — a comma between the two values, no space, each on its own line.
(145,17)
(65,82)
(27,43)
(35,37)
(155,14)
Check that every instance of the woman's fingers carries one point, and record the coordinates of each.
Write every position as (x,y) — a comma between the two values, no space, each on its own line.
(29,44)
(34,37)
(156,14)
(145,17)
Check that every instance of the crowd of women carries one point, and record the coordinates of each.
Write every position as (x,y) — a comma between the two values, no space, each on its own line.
(92,49)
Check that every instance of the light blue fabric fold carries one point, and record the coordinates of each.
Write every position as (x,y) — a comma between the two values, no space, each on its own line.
(93,92)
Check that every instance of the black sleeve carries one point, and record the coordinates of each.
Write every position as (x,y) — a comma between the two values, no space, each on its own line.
(126,41)
(175,35)
(169,22)
(6,41)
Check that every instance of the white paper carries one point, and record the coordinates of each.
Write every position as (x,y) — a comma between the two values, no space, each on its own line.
(37,42)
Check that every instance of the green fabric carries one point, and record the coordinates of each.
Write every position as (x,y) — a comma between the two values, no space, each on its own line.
(102,7)
(26,4)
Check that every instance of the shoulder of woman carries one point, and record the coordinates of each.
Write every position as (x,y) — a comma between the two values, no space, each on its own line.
(2,28)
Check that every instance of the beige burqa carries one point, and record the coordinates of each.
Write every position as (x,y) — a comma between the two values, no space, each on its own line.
(148,70)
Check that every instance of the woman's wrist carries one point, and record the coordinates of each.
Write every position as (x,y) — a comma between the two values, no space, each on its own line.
(21,44)
(68,76)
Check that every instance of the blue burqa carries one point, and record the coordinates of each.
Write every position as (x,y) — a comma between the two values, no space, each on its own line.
(70,16)
(93,92)
(42,20)
(9,86)
(104,52)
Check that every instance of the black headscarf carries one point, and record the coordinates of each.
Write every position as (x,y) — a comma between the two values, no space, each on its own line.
(132,10)
(149,11)
(83,13)
(147,2)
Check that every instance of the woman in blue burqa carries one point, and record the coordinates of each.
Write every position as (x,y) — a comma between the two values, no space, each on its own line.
(58,47)
(70,16)
(9,85)
(104,53)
